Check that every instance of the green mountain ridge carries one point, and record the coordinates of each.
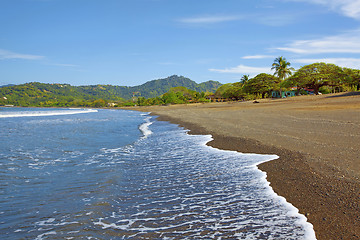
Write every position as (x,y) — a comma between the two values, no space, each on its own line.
(44,94)
(158,87)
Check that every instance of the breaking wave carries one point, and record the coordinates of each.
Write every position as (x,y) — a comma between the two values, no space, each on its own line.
(9,114)
(144,128)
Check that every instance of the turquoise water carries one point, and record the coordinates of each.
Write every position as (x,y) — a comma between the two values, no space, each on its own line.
(115,174)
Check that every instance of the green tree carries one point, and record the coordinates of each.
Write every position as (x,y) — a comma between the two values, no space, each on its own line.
(231,91)
(99,103)
(155,101)
(317,75)
(184,93)
(244,79)
(261,84)
(282,68)
(170,98)
(352,78)
(236,91)
(220,92)
(141,101)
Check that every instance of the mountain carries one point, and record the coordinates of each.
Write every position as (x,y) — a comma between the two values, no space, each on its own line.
(42,94)
(158,87)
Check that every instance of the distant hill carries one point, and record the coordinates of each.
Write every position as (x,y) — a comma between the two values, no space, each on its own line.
(158,87)
(42,94)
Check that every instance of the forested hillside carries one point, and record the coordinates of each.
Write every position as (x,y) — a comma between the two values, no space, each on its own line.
(42,94)
(158,87)
(149,89)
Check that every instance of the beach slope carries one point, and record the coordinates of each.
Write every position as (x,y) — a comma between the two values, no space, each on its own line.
(316,137)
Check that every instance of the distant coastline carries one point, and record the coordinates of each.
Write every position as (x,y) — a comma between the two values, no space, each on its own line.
(316,138)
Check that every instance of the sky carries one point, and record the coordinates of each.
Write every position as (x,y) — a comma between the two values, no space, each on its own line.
(130,42)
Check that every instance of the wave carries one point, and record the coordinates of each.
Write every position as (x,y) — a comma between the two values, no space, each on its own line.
(292,211)
(144,128)
(188,188)
(45,113)
(127,149)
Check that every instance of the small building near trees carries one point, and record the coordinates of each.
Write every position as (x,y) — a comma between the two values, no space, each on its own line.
(284,94)
(292,92)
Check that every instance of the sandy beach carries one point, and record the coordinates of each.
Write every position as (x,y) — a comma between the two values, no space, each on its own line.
(316,137)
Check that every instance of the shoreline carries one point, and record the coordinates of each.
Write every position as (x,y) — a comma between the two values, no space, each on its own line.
(324,191)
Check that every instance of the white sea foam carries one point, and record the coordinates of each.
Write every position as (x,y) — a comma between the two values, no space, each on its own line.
(41,236)
(144,128)
(292,210)
(52,222)
(205,188)
(123,150)
(45,113)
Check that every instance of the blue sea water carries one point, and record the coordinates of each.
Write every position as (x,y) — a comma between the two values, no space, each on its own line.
(115,174)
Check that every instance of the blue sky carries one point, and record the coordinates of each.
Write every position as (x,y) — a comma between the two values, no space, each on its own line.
(129,42)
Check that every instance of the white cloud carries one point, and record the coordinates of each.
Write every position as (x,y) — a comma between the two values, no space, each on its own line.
(268,19)
(344,43)
(243,70)
(4,54)
(258,56)
(349,8)
(342,62)
(209,19)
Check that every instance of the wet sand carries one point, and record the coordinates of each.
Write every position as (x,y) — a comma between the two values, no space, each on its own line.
(316,137)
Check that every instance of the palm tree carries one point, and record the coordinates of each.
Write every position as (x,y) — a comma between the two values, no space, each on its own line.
(244,79)
(282,69)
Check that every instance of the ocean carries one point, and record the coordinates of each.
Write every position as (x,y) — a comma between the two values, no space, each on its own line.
(117,174)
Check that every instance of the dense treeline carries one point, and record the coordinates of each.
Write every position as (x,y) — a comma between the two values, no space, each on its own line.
(176,95)
(313,78)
